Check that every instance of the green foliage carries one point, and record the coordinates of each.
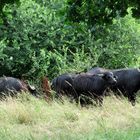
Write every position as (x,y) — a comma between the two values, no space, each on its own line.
(121,45)
(36,40)
(41,39)
(4,2)
(100,11)
(27,40)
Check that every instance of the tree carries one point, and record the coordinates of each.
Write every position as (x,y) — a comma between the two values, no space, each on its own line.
(100,11)
(2,4)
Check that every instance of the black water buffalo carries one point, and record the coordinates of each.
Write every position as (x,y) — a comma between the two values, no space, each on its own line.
(63,85)
(93,85)
(11,86)
(128,81)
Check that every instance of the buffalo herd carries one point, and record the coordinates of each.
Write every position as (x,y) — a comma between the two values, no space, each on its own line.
(95,82)
(83,84)
(84,88)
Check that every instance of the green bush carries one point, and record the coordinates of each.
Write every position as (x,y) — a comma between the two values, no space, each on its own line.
(37,40)
(121,44)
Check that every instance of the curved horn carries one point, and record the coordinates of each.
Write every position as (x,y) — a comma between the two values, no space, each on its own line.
(101,74)
(138,70)
(31,87)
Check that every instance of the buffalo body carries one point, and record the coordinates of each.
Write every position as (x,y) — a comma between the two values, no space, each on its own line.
(128,81)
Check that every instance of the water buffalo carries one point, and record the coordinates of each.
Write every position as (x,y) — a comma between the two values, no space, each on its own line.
(93,85)
(63,85)
(128,81)
(11,86)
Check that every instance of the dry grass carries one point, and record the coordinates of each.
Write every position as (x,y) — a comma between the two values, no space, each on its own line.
(27,117)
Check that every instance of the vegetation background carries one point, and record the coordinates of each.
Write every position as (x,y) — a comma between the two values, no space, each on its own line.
(39,37)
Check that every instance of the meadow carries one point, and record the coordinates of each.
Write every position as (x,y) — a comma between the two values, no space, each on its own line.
(38,39)
(29,118)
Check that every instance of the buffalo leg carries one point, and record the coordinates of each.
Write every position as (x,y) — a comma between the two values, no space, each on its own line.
(132,98)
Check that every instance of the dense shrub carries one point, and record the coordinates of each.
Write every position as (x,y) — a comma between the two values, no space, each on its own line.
(37,40)
(120,43)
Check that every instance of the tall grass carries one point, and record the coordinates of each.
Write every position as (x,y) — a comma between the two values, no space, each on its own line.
(34,119)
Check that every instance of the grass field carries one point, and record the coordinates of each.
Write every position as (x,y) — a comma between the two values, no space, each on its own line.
(28,118)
